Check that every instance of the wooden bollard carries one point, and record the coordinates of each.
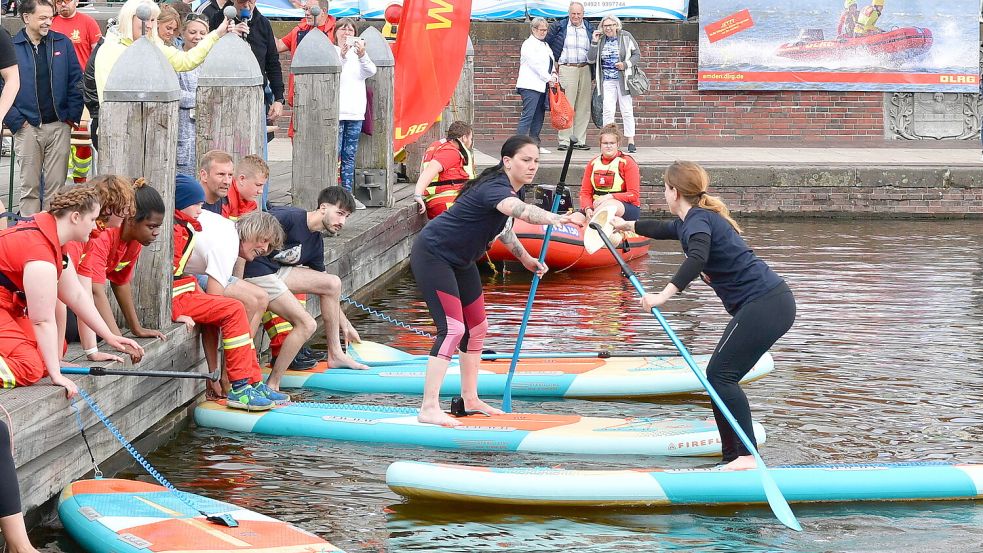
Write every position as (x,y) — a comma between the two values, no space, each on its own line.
(230,113)
(138,137)
(317,77)
(374,171)
(459,108)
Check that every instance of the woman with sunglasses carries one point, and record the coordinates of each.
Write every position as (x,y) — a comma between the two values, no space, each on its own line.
(195,30)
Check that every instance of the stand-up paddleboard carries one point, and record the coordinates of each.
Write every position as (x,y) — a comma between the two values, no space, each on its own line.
(542,377)
(650,487)
(539,433)
(127,516)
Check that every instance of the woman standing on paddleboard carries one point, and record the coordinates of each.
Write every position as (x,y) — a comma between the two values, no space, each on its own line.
(443,264)
(760,301)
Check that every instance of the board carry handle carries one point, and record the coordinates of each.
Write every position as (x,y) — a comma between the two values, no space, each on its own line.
(776,500)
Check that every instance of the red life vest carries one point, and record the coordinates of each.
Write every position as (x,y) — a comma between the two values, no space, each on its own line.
(445,187)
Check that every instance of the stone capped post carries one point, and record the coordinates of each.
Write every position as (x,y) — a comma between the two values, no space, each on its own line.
(230,113)
(316,68)
(374,172)
(138,138)
(459,108)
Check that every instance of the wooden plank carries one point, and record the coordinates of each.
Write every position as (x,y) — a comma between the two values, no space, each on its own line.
(376,151)
(315,145)
(238,127)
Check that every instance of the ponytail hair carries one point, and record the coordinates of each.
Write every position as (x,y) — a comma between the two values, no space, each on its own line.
(148,201)
(509,149)
(692,181)
(82,199)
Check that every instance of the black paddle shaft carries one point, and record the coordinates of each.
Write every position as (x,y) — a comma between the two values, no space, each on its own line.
(607,242)
(558,190)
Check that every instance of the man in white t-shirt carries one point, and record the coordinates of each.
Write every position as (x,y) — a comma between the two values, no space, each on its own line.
(218,247)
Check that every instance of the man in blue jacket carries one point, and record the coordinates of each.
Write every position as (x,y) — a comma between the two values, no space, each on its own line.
(570,39)
(48,103)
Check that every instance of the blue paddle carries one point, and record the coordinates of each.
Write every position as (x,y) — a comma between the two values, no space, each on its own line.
(557,196)
(775,498)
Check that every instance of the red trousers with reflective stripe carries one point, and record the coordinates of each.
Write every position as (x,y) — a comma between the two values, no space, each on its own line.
(277,328)
(230,316)
(21,363)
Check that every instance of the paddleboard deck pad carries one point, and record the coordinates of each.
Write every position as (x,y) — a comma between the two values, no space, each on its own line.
(123,516)
(540,433)
(557,377)
(648,487)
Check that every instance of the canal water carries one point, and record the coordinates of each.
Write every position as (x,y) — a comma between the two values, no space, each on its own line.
(884,363)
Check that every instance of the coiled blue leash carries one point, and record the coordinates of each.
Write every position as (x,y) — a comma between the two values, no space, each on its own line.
(387,318)
(224,519)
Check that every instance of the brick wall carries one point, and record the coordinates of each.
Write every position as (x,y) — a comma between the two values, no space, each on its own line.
(675,110)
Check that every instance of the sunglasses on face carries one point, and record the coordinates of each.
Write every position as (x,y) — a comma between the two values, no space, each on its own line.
(195,17)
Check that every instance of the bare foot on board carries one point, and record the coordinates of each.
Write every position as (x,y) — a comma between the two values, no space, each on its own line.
(343,360)
(745,462)
(478,405)
(438,417)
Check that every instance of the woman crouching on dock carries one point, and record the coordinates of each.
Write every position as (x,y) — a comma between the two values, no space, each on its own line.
(759,300)
(32,264)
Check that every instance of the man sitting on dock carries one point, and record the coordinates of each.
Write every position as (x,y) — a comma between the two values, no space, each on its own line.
(299,268)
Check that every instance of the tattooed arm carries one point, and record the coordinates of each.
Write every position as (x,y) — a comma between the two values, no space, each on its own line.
(516,248)
(514,207)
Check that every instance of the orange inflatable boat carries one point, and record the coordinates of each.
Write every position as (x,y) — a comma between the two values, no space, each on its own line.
(566,248)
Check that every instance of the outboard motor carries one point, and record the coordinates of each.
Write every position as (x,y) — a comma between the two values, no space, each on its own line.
(544,198)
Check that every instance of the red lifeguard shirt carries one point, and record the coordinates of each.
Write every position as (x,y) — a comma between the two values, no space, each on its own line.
(448,154)
(76,250)
(292,40)
(36,240)
(109,257)
(82,30)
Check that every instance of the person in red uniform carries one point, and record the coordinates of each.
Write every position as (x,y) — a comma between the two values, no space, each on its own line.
(190,305)
(612,177)
(32,265)
(447,165)
(251,176)
(324,22)
(113,256)
(84,33)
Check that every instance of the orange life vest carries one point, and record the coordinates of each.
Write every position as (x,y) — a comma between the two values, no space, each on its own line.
(606,177)
(445,187)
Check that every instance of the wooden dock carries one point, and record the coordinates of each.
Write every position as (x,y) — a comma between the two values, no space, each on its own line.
(49,450)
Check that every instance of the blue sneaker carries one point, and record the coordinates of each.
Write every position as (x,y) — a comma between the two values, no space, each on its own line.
(276,397)
(248,398)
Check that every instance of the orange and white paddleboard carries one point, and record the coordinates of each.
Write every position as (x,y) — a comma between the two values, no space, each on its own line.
(122,516)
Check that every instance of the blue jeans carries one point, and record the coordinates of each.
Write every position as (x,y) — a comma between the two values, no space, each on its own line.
(348,132)
(533,111)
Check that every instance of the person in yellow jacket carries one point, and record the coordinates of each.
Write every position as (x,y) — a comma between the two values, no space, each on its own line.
(130,29)
(867,21)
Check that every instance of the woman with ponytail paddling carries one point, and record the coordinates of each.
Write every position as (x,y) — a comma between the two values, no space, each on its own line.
(759,300)
(443,263)
(34,274)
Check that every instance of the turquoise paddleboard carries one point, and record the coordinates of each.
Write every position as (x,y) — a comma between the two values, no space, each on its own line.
(126,516)
(509,432)
(612,488)
(541,376)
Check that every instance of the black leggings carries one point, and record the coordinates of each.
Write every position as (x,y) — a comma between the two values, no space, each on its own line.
(756,326)
(455,300)
(9,492)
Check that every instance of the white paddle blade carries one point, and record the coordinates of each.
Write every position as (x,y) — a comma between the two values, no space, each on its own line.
(603,217)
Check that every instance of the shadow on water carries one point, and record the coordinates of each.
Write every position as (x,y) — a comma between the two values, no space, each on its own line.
(884,363)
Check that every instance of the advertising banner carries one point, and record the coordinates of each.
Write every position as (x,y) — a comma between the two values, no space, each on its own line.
(649,9)
(480,9)
(868,45)
(286,9)
(429,54)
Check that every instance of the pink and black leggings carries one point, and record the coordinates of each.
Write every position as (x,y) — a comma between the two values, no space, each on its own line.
(455,300)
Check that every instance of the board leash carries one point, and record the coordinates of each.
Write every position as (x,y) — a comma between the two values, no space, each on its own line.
(387,318)
(224,519)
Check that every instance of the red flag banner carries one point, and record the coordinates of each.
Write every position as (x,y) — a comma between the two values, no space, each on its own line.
(429,53)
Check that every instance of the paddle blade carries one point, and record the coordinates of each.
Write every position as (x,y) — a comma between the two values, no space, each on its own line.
(602,217)
(776,500)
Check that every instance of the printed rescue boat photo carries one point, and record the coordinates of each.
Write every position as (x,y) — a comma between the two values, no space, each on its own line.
(896,45)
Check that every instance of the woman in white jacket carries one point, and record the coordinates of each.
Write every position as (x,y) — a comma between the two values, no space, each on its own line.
(356,67)
(536,69)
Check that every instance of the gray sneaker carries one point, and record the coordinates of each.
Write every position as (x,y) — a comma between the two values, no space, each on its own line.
(359,205)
